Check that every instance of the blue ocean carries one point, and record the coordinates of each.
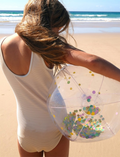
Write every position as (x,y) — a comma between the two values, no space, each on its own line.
(16,16)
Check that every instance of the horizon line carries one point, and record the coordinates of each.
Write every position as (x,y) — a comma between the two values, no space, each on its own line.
(68,10)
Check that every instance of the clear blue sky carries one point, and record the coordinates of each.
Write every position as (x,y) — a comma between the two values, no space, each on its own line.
(71,5)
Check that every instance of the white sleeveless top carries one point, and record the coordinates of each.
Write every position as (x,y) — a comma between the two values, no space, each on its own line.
(36,130)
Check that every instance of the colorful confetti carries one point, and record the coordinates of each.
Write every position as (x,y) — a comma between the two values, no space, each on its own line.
(91,110)
(82,125)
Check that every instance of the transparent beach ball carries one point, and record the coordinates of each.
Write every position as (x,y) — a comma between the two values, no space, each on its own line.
(84,105)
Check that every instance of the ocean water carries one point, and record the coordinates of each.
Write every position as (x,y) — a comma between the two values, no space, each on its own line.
(11,16)
(16,16)
(9,19)
(95,16)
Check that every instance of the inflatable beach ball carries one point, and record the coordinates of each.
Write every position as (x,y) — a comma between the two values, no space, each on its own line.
(84,105)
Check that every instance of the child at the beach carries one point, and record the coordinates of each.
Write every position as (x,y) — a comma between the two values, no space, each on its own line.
(27,59)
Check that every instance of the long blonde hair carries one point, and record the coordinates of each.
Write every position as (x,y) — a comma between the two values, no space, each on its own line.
(40,17)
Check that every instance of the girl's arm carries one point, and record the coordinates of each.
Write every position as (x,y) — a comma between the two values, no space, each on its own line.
(92,62)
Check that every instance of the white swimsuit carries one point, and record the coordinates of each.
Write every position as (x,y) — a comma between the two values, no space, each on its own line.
(36,130)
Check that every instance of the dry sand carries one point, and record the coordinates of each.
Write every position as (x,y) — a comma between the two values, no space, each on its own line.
(106,46)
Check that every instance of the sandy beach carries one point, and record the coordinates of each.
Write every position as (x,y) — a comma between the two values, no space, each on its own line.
(104,44)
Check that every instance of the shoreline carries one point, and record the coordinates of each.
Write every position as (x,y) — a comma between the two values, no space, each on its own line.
(95,27)
(96,24)
(79,27)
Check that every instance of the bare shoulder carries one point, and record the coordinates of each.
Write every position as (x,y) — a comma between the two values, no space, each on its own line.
(9,43)
(16,54)
(10,46)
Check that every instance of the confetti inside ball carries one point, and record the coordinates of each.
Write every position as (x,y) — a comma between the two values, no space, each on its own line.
(83,107)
